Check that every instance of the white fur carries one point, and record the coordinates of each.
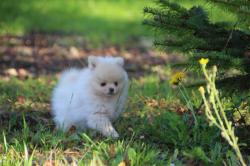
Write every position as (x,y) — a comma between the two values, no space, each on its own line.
(78,100)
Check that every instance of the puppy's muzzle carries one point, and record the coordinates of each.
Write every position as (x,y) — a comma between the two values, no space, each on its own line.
(111,91)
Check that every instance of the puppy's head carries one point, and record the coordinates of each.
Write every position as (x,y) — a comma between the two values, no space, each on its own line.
(108,75)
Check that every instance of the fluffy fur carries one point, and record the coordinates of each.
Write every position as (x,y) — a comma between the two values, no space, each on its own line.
(92,97)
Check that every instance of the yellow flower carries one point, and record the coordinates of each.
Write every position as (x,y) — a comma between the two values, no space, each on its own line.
(177,78)
(122,164)
(203,61)
(202,90)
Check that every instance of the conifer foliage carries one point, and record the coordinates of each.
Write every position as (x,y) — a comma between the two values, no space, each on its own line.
(191,32)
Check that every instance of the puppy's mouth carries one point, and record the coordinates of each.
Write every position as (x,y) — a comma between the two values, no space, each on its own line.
(110,94)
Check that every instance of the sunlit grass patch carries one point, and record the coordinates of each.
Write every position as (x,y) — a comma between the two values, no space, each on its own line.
(215,14)
(105,21)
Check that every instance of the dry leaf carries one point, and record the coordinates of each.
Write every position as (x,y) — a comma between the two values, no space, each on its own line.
(112,150)
(11,72)
(21,100)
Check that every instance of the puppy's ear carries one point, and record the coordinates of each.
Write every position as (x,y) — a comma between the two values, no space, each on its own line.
(92,62)
(120,61)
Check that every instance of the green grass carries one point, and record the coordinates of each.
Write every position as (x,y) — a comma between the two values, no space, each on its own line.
(151,131)
(215,13)
(97,21)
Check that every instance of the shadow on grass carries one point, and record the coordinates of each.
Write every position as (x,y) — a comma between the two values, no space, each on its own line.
(42,54)
(99,22)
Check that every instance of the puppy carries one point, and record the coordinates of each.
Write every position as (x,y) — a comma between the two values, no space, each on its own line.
(92,97)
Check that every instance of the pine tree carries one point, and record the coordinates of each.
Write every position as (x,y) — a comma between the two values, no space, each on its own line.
(191,32)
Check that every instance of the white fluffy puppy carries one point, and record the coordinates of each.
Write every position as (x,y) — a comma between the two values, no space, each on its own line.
(92,97)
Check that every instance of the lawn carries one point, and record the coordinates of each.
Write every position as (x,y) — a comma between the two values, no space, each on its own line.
(156,129)
(95,20)
(163,123)
(155,134)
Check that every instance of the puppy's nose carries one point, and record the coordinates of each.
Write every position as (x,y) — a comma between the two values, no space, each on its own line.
(111,90)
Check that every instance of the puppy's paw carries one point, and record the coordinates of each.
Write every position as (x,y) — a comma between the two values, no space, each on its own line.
(114,134)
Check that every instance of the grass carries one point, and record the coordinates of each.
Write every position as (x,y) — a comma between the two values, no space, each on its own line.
(215,13)
(94,20)
(155,135)
(158,127)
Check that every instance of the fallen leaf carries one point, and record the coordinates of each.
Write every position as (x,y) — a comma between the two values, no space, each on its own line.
(11,72)
(112,150)
(49,163)
(23,73)
(72,130)
(74,52)
(21,100)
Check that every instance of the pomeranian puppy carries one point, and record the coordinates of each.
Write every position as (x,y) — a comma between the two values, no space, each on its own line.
(92,97)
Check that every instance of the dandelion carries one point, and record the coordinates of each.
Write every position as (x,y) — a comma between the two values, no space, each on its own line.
(203,61)
(177,78)
(202,90)
(122,164)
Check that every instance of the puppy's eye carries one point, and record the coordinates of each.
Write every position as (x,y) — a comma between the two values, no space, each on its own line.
(103,83)
(116,83)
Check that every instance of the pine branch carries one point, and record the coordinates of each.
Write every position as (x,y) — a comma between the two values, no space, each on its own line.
(173,6)
(190,31)
(244,9)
